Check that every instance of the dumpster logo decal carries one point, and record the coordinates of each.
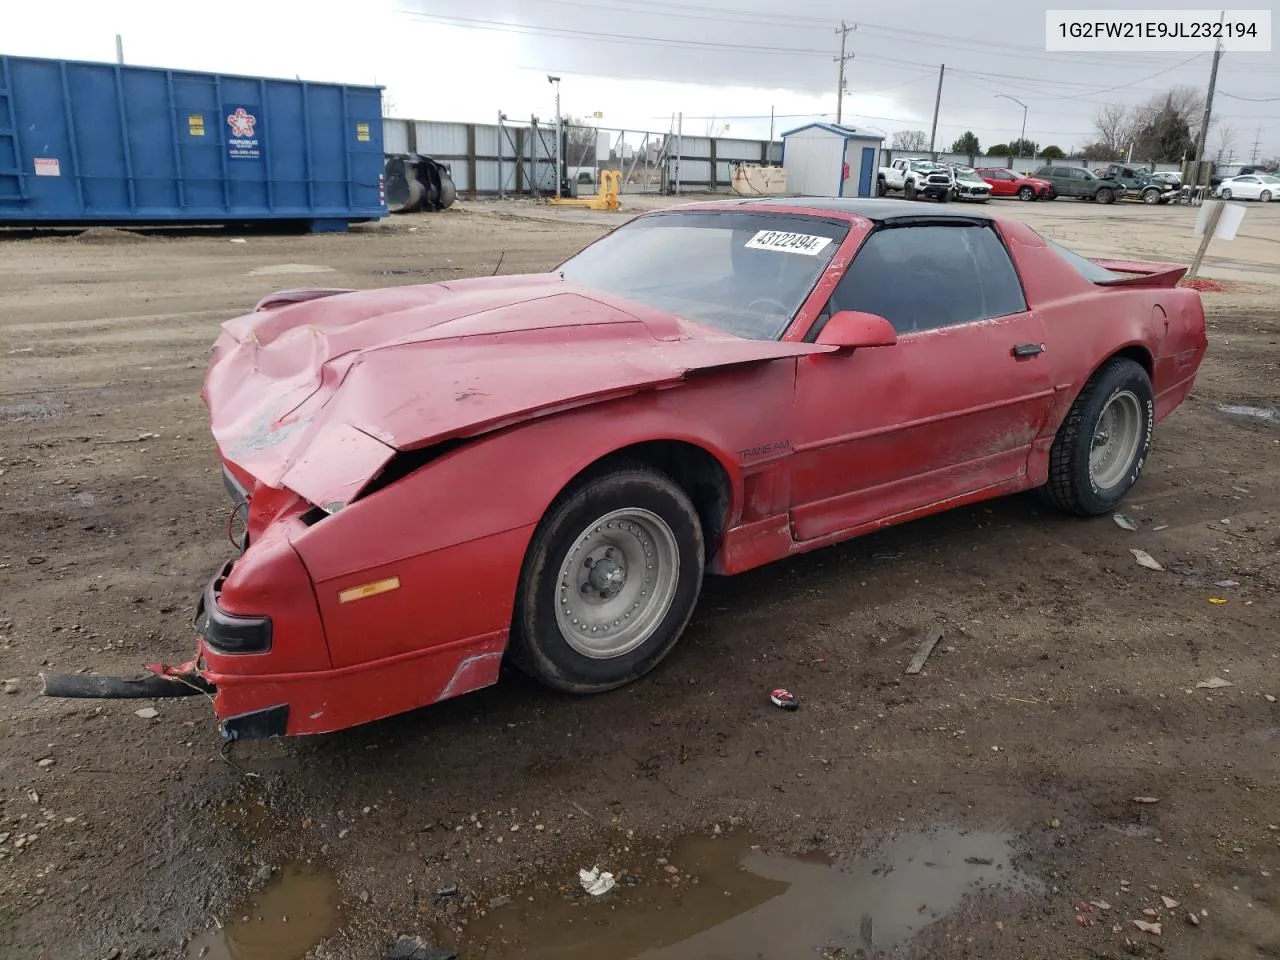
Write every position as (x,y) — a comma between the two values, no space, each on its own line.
(245,142)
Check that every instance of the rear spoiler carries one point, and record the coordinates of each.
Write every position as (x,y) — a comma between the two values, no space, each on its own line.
(1141,273)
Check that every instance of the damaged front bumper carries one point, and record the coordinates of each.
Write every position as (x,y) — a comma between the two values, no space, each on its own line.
(218,632)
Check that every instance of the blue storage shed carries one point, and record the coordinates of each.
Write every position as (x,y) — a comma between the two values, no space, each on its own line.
(109,144)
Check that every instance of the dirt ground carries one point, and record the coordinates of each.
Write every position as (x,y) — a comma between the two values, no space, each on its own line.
(1065,685)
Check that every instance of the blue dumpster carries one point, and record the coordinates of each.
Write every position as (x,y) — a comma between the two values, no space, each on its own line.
(107,144)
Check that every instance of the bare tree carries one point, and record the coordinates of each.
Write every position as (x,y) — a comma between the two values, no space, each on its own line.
(1226,145)
(715,129)
(909,140)
(1114,124)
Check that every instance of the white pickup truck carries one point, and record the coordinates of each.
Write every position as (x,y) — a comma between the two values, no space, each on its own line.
(916,177)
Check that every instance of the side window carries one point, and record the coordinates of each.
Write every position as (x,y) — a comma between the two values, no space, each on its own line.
(926,277)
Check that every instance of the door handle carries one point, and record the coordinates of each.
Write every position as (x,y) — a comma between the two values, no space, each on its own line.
(1028,349)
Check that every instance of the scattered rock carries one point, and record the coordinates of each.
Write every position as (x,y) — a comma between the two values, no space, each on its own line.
(499,901)
(1146,799)
(1124,522)
(1269,698)
(671,868)
(1151,914)
(450,891)
(1146,927)
(1193,919)
(147,713)
(1101,905)
(46,762)
(1169,903)
(11,685)
(264,873)
(364,896)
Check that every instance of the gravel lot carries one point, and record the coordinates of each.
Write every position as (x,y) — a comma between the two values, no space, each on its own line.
(967,811)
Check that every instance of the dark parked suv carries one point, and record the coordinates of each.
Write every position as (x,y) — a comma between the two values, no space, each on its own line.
(1080,183)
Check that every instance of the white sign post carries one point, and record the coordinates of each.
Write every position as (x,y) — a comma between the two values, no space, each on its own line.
(1217,220)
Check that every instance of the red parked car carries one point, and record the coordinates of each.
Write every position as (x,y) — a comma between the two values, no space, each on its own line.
(543,468)
(1007,183)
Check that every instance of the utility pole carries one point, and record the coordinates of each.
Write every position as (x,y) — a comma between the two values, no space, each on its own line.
(119,49)
(937,102)
(1257,144)
(559,136)
(771,126)
(1208,111)
(842,60)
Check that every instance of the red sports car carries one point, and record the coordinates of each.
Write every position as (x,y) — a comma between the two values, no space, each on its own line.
(1007,183)
(544,467)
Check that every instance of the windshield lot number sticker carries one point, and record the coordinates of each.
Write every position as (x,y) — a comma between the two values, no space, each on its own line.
(803,243)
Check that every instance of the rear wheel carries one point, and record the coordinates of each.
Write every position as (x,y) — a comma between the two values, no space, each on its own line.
(1026,193)
(1105,195)
(609,582)
(1102,445)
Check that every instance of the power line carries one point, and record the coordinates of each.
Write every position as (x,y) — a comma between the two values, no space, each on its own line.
(763,18)
(1232,96)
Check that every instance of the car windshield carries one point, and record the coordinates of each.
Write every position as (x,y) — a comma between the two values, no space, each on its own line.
(744,273)
(1083,265)
(924,166)
(963,174)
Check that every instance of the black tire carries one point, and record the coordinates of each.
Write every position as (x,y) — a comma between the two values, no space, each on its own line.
(1151,195)
(538,646)
(881,189)
(1026,193)
(909,190)
(1105,195)
(1265,196)
(1225,194)
(1071,485)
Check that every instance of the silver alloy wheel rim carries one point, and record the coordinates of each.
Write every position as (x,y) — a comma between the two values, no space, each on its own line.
(617,583)
(1115,439)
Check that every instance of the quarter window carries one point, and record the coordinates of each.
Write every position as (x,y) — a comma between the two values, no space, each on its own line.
(930,276)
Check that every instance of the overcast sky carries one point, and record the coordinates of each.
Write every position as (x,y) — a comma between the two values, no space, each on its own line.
(639,62)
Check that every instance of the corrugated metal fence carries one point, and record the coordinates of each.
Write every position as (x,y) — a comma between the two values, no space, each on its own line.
(504,158)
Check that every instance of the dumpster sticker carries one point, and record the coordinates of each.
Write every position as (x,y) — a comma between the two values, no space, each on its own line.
(195,124)
(48,167)
(245,142)
(362,132)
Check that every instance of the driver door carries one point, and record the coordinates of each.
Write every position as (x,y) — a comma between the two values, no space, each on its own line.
(949,410)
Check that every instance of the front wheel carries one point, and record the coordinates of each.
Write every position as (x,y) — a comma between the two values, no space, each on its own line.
(1026,193)
(1151,196)
(1101,447)
(1225,194)
(881,189)
(909,190)
(1105,195)
(1265,196)
(609,582)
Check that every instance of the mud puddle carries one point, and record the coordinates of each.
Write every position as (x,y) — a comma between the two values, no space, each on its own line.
(1265,414)
(296,909)
(728,898)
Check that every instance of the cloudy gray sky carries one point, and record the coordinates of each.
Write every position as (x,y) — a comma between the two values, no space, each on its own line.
(638,62)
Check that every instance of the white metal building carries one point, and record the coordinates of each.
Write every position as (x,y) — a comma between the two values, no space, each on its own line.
(831,160)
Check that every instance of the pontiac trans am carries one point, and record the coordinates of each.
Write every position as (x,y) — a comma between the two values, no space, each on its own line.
(542,469)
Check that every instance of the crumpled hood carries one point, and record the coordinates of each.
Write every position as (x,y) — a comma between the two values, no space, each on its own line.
(317,396)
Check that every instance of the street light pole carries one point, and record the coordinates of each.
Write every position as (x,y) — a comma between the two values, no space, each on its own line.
(559,136)
(1023,138)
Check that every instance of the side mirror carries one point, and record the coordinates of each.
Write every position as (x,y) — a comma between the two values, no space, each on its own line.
(850,329)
